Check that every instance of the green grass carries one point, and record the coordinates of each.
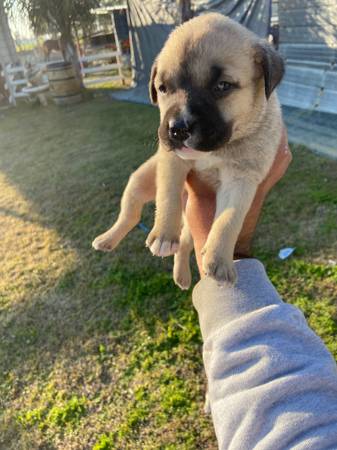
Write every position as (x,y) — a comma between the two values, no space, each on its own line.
(102,351)
(58,415)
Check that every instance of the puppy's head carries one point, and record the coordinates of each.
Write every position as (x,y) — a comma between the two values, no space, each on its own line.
(212,81)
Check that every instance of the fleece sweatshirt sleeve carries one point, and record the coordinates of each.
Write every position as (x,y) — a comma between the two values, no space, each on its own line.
(272,383)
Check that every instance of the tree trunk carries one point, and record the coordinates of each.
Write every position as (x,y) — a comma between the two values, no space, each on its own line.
(70,54)
(7,46)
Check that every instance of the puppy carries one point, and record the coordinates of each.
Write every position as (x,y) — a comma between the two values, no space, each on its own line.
(214,83)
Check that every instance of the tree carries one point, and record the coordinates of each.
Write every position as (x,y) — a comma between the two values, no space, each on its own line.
(7,46)
(62,16)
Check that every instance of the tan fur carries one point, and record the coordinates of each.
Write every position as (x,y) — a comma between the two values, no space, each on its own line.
(234,170)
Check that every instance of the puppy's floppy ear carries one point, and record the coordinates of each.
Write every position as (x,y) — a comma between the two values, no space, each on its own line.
(271,64)
(152,89)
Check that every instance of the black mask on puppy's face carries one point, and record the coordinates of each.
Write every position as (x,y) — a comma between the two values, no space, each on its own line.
(192,117)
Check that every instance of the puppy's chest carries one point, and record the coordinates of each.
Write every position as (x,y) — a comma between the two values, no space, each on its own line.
(215,170)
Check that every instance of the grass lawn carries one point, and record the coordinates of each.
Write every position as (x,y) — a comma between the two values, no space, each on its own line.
(102,351)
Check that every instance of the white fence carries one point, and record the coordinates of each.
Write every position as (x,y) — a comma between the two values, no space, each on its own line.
(101,69)
(95,64)
(15,81)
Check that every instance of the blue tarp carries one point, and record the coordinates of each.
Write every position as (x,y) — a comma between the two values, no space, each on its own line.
(150,22)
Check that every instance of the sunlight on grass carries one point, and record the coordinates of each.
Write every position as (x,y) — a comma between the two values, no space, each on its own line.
(32,255)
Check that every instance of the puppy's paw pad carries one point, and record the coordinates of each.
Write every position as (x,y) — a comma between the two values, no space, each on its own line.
(218,267)
(105,242)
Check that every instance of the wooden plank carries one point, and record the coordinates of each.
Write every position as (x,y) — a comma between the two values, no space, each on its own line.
(88,81)
(20,94)
(44,65)
(108,9)
(99,69)
(14,69)
(99,56)
(18,82)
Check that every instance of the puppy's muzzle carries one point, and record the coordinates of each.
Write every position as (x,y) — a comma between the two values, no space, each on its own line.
(179,131)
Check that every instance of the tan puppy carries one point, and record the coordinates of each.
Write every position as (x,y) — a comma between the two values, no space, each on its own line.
(214,83)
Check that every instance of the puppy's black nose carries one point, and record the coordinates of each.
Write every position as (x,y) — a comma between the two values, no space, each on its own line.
(179,130)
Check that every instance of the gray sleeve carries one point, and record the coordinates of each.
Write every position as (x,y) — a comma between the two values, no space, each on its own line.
(272,383)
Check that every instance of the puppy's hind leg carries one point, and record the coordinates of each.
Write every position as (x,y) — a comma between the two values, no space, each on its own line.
(141,189)
(181,269)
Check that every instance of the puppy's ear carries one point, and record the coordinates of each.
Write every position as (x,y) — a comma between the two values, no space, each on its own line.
(152,89)
(270,64)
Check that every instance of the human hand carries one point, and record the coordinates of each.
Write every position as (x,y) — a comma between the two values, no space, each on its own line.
(200,207)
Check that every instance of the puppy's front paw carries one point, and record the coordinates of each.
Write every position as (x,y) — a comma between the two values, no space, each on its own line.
(106,242)
(217,266)
(162,244)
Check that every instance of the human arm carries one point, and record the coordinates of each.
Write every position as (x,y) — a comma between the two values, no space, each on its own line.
(272,383)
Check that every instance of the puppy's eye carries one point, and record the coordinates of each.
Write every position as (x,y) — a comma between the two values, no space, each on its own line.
(162,89)
(223,86)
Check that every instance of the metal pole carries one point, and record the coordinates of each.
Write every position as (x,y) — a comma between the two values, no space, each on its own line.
(185,10)
(118,47)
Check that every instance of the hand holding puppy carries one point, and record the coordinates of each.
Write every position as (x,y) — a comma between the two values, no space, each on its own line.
(200,205)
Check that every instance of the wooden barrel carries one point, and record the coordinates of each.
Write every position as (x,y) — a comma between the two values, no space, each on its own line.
(64,86)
